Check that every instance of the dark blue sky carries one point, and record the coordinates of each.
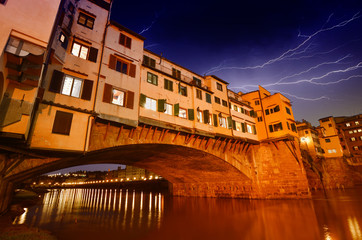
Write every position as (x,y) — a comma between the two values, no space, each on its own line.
(311,51)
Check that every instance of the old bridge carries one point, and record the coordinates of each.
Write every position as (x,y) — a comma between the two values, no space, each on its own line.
(194,165)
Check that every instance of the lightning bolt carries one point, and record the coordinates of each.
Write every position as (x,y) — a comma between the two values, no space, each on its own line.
(302,98)
(291,51)
(148,28)
(151,45)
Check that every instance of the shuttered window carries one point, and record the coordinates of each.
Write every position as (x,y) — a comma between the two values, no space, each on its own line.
(124,40)
(206,116)
(122,66)
(117,96)
(62,123)
(215,120)
(191,114)
(168,85)
(86,20)
(208,97)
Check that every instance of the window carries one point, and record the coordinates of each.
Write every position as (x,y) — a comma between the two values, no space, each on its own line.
(182,113)
(327,140)
(288,110)
(168,109)
(355,131)
(260,119)
(242,110)
(208,97)
(80,50)
(85,20)
(289,127)
(62,122)
(356,122)
(199,94)
(152,78)
(63,39)
(224,103)
(176,73)
(122,66)
(238,126)
(235,108)
(353,139)
(267,111)
(222,122)
(124,40)
(150,104)
(217,100)
(199,116)
(360,137)
(276,108)
(168,85)
(71,86)
(329,125)
(118,97)
(197,81)
(149,61)
(218,86)
(350,132)
(355,148)
(359,130)
(275,127)
(257,102)
(332,151)
(249,128)
(348,124)
(183,90)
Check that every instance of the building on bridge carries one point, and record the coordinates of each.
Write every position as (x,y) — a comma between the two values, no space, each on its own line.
(309,140)
(328,135)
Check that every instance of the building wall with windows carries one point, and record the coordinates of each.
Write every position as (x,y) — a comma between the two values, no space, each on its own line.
(350,134)
(274,114)
(328,135)
(119,82)
(243,123)
(308,139)
(72,76)
(23,40)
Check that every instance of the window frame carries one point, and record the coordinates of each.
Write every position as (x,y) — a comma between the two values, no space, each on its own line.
(168,84)
(219,86)
(72,86)
(80,50)
(182,90)
(87,17)
(217,100)
(124,97)
(151,102)
(125,41)
(153,80)
(198,93)
(183,110)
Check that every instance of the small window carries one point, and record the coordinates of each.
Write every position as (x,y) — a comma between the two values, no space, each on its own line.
(168,85)
(199,94)
(183,90)
(199,116)
(72,86)
(152,78)
(235,108)
(80,50)
(149,61)
(63,39)
(242,110)
(124,40)
(350,132)
(208,97)
(288,110)
(260,119)
(222,122)
(176,73)
(197,81)
(238,126)
(355,148)
(329,125)
(306,132)
(217,100)
(168,109)
(356,122)
(348,124)
(86,20)
(359,130)
(62,123)
(182,113)
(151,104)
(327,140)
(218,86)
(353,139)
(118,97)
(267,111)
(257,102)
(224,103)
(249,128)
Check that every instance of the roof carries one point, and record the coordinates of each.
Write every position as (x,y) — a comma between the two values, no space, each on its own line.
(123,28)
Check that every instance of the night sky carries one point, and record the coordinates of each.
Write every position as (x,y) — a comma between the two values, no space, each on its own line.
(311,51)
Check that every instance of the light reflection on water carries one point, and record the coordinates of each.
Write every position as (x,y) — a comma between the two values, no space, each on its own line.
(112,213)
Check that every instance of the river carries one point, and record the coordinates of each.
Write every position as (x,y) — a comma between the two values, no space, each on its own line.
(127,214)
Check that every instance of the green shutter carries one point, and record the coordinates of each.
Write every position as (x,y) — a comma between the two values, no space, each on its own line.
(191,113)
(230,122)
(243,127)
(208,97)
(206,116)
(234,125)
(176,109)
(142,100)
(215,120)
(161,105)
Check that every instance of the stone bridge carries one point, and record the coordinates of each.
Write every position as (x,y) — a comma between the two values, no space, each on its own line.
(195,165)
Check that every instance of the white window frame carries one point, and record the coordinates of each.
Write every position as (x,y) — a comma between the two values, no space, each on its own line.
(82,52)
(72,86)
(182,113)
(168,108)
(249,128)
(199,116)
(222,122)
(120,97)
(151,104)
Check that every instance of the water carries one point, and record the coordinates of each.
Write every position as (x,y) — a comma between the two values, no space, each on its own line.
(127,214)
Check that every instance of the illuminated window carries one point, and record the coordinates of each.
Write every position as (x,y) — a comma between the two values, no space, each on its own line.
(355,148)
(124,40)
(355,131)
(150,104)
(152,78)
(235,108)
(63,40)
(353,139)
(183,90)
(80,50)
(182,113)
(199,116)
(350,132)
(118,97)
(71,86)
(332,151)
(168,109)
(359,130)
(238,126)
(348,124)
(222,122)
(85,20)
(218,86)
(356,122)
(249,128)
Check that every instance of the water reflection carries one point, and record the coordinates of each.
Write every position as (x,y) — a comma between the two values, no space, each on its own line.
(111,213)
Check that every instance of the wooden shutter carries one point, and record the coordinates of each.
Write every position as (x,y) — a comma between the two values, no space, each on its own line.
(252,113)
(87,90)
(93,54)
(132,70)
(176,109)
(130,99)
(271,128)
(62,122)
(254,129)
(56,82)
(122,39)
(281,126)
(191,113)
(107,93)
(142,100)
(128,42)
(230,122)
(206,116)
(234,125)
(215,120)
(112,62)
(243,127)
(161,105)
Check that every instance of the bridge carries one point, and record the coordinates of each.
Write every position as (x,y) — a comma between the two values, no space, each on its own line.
(194,165)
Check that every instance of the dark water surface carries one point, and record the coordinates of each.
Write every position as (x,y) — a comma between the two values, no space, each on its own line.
(127,214)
